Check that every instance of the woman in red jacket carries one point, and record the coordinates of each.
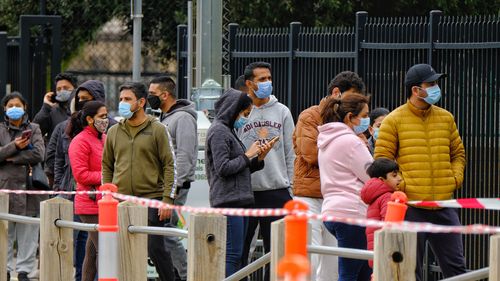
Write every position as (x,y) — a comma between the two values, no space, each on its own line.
(86,129)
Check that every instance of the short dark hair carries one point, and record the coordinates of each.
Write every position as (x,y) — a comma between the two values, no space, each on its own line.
(381,167)
(409,90)
(66,76)
(14,95)
(166,83)
(138,88)
(376,113)
(249,69)
(239,84)
(345,81)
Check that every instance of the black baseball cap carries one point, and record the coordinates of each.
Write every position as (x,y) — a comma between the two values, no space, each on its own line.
(421,73)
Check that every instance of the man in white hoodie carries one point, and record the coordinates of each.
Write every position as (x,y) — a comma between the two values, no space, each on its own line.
(268,119)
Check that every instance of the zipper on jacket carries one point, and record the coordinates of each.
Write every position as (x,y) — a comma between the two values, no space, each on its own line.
(430,154)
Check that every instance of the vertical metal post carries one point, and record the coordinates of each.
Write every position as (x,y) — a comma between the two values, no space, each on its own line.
(55,64)
(24,61)
(435,17)
(43,7)
(180,86)
(361,19)
(3,65)
(189,68)
(233,30)
(136,15)
(208,41)
(293,45)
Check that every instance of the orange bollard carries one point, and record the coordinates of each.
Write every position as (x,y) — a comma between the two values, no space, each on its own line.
(296,229)
(396,209)
(294,268)
(108,235)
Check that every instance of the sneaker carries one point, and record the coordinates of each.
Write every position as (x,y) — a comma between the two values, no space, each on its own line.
(22,276)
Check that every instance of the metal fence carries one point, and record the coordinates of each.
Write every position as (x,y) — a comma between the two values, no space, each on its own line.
(380,50)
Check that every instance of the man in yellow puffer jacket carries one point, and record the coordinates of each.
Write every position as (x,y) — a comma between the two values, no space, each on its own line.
(424,140)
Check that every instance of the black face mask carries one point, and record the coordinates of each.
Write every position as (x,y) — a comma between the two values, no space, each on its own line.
(79,105)
(154,101)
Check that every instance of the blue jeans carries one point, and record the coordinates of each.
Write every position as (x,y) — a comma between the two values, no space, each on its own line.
(350,236)
(236,232)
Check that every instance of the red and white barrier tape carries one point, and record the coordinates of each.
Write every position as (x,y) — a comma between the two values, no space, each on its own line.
(401,226)
(464,203)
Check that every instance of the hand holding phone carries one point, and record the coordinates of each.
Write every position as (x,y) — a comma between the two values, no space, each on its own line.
(266,147)
(26,134)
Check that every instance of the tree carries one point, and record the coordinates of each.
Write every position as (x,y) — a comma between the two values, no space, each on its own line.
(82,18)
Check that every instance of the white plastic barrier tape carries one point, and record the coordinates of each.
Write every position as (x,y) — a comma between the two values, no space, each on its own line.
(402,226)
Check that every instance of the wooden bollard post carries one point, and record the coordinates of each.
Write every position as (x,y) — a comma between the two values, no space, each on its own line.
(56,244)
(206,247)
(277,246)
(395,255)
(4,236)
(132,248)
(495,258)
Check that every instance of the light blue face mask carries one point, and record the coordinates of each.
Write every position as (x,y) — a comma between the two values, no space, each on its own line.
(363,126)
(124,110)
(375,133)
(433,94)
(15,113)
(63,96)
(264,89)
(240,122)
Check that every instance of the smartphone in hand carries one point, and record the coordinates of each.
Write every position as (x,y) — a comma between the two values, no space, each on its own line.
(26,134)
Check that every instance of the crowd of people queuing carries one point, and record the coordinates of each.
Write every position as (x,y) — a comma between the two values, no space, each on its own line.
(341,158)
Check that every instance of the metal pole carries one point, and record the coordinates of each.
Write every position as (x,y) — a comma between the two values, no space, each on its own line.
(136,14)
(76,225)
(251,268)
(471,276)
(341,252)
(189,50)
(165,231)
(19,219)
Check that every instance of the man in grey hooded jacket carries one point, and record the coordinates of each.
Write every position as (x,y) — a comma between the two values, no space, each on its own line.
(269,119)
(180,117)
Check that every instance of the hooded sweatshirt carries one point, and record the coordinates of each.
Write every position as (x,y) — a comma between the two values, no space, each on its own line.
(376,193)
(228,168)
(343,159)
(181,123)
(96,90)
(266,122)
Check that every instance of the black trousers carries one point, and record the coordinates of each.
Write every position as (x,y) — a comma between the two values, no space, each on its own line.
(158,251)
(264,199)
(447,247)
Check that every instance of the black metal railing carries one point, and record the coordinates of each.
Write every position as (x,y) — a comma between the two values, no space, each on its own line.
(381,50)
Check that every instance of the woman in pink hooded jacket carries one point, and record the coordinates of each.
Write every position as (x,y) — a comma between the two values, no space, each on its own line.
(86,129)
(343,158)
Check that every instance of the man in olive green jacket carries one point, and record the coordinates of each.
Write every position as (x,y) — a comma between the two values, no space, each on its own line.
(138,158)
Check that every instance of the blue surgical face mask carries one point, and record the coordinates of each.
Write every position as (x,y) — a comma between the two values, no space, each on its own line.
(63,96)
(375,133)
(433,94)
(363,126)
(240,122)
(124,110)
(264,89)
(15,113)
